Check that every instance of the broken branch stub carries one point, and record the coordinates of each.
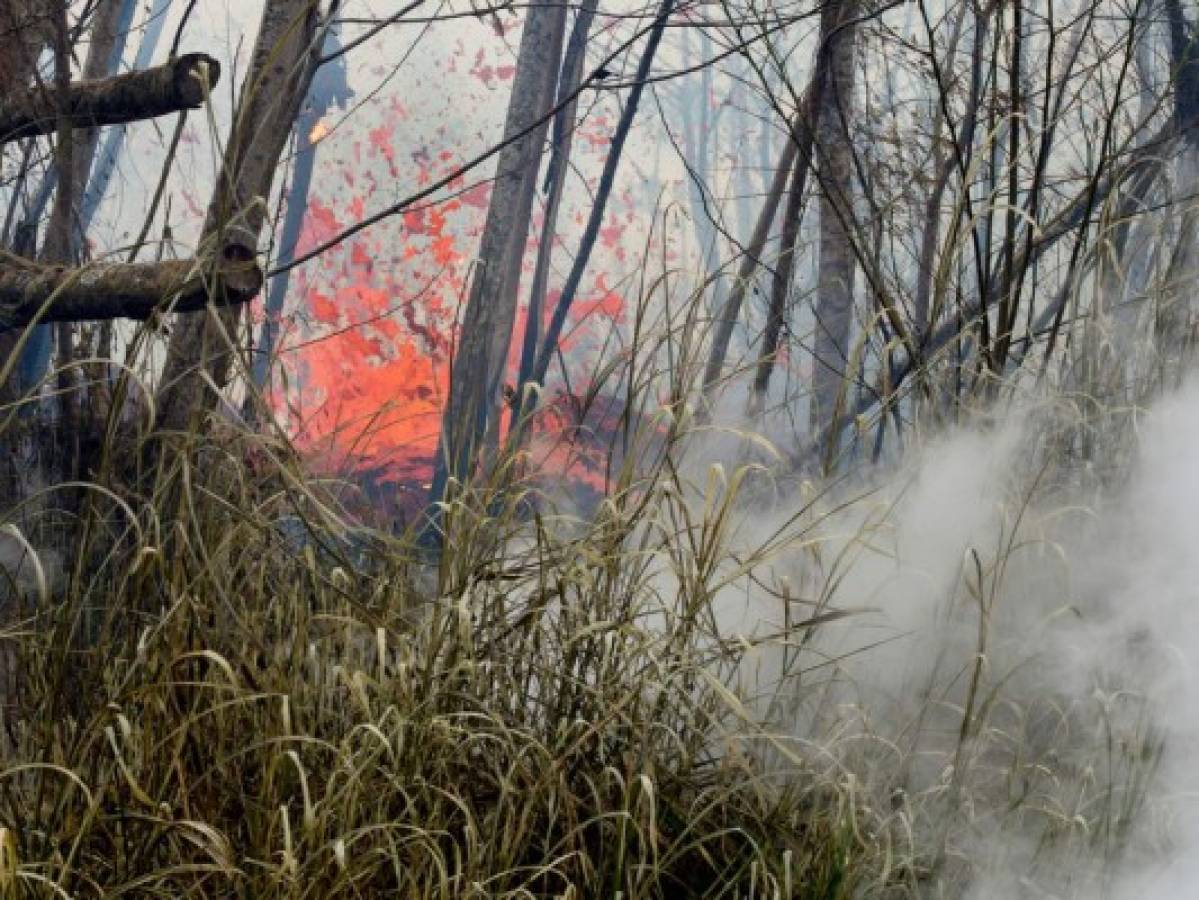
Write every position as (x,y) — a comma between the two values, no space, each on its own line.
(35,292)
(181,84)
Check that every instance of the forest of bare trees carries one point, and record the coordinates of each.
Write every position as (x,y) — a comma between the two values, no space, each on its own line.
(491,449)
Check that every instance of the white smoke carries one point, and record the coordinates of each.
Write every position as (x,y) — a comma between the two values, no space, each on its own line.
(1075,777)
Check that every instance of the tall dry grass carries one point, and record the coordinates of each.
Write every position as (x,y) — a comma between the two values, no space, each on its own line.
(230,688)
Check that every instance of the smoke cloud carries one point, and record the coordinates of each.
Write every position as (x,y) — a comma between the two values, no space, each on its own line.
(1019,678)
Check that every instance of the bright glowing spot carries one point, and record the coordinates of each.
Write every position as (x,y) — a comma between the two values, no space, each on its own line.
(319,131)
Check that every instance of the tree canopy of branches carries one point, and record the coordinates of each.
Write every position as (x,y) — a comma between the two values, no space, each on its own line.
(896,208)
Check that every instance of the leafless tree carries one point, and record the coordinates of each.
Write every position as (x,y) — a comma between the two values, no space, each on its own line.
(286,54)
(490,313)
(834,162)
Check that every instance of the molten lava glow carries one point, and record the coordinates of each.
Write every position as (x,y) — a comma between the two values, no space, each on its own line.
(370,326)
(319,131)
(371,372)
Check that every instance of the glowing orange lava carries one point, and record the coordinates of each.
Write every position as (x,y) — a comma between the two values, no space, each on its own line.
(371,326)
(319,131)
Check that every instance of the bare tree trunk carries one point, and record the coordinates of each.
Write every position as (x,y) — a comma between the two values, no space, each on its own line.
(943,167)
(110,22)
(61,460)
(328,87)
(53,291)
(834,161)
(742,180)
(780,287)
(285,57)
(555,182)
(1134,248)
(549,343)
(1008,284)
(151,31)
(750,261)
(491,307)
(514,259)
(700,134)
(24,30)
(1175,320)
(1107,350)
(57,248)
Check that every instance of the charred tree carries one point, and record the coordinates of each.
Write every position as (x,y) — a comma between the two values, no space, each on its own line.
(329,87)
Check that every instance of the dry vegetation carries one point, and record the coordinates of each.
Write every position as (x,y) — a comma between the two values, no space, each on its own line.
(217,681)
(222,694)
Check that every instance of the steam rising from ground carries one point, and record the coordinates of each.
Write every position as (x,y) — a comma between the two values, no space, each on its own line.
(1020,704)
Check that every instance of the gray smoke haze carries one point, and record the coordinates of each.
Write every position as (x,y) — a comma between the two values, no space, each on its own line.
(1073,776)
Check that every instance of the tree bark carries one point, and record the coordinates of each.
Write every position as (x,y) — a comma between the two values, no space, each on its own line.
(24,30)
(328,87)
(286,53)
(514,258)
(40,292)
(110,23)
(1174,322)
(1143,164)
(181,84)
(491,306)
(555,180)
(834,160)
(1107,349)
(943,165)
